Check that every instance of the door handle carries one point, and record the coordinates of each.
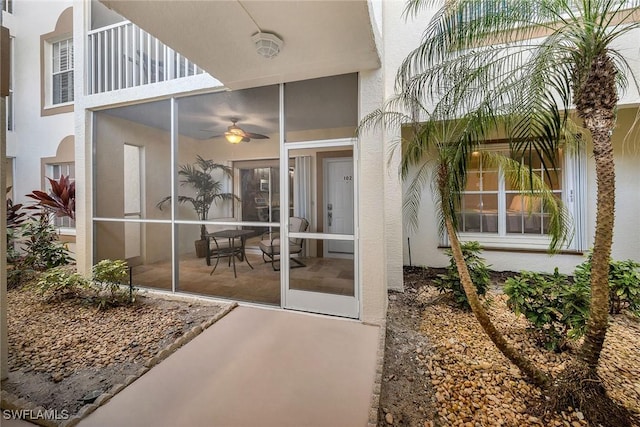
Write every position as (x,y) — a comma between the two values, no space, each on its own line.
(330,216)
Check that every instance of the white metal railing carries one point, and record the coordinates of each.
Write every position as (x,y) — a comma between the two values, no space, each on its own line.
(122,56)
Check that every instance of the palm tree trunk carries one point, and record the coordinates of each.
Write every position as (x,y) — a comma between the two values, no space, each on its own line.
(536,375)
(605,206)
(596,101)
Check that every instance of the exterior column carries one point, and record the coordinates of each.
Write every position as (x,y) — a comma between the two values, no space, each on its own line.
(371,198)
(83,142)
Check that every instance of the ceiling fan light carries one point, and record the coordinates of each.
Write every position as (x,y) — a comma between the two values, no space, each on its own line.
(233,138)
(267,44)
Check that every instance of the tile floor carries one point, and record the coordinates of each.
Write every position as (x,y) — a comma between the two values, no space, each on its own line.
(260,284)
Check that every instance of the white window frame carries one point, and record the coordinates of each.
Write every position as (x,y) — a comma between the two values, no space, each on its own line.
(65,225)
(573,196)
(50,73)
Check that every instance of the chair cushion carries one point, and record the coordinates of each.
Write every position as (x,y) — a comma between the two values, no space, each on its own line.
(270,248)
(267,247)
(297,225)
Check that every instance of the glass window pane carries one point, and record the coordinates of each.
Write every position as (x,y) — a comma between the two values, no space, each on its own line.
(473,181)
(554,179)
(490,181)
(480,213)
(471,202)
(474,162)
(532,160)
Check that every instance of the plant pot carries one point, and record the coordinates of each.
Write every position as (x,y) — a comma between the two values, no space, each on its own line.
(201,248)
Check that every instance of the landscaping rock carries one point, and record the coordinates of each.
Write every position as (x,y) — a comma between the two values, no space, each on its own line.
(465,380)
(60,351)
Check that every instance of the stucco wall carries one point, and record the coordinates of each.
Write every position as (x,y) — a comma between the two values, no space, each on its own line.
(626,151)
(626,241)
(400,37)
(34,136)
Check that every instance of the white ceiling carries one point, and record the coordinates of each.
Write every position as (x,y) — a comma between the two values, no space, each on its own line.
(321,38)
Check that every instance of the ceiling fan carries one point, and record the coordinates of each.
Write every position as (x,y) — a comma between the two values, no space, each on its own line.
(235,134)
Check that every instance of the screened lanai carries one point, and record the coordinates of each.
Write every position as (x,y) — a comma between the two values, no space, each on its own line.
(149,208)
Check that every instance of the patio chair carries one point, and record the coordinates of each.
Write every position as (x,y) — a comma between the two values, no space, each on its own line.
(270,243)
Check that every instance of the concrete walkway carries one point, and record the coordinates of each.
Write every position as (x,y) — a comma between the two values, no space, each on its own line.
(256,367)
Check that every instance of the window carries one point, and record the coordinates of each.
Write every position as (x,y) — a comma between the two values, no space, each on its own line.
(7,6)
(62,72)
(54,171)
(495,214)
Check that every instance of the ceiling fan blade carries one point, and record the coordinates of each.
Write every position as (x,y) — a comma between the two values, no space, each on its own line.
(238,131)
(256,135)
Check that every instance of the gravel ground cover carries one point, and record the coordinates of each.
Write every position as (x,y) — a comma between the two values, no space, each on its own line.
(60,352)
(444,371)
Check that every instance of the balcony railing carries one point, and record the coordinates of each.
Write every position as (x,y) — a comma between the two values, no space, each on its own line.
(123,56)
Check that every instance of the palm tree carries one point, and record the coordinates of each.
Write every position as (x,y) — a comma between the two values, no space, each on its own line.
(439,150)
(208,189)
(519,66)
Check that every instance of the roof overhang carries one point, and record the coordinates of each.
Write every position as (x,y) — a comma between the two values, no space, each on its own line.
(321,38)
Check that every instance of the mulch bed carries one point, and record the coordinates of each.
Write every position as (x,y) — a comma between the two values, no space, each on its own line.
(61,351)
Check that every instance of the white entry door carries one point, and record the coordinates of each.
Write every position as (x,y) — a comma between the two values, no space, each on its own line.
(338,209)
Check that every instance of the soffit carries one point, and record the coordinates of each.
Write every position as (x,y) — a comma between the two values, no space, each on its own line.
(321,38)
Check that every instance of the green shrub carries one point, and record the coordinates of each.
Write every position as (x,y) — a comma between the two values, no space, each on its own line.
(42,248)
(108,279)
(18,271)
(110,272)
(59,282)
(556,308)
(450,281)
(39,249)
(624,283)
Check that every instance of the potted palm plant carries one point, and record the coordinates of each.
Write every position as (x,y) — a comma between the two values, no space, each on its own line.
(208,190)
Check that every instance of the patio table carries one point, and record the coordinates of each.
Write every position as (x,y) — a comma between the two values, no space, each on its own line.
(231,251)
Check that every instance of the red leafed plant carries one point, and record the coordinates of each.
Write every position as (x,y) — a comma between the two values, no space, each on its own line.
(61,200)
(14,216)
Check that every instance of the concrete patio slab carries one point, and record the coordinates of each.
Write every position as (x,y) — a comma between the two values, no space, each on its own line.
(256,367)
